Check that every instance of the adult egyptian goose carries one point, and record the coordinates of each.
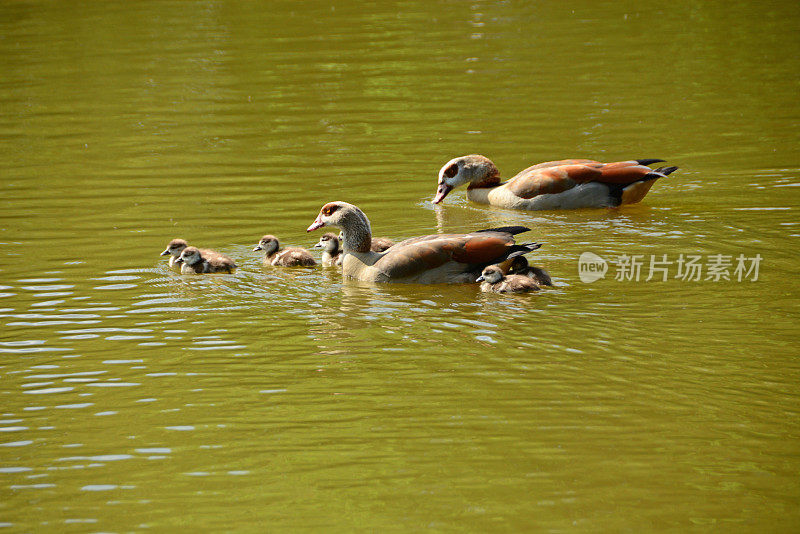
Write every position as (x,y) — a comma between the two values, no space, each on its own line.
(565,184)
(445,258)
(519,265)
(193,261)
(331,250)
(288,257)
(176,246)
(493,280)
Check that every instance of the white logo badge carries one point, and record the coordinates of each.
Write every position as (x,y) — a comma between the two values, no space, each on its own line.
(591,267)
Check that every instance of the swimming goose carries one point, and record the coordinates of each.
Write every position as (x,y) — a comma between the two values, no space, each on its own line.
(519,265)
(493,280)
(331,250)
(565,184)
(288,257)
(193,261)
(444,258)
(176,246)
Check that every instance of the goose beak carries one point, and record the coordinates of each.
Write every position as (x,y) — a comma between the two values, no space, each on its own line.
(316,224)
(318,245)
(178,260)
(480,279)
(257,247)
(442,192)
(165,253)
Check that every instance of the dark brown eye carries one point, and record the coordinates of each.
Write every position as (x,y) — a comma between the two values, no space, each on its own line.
(451,171)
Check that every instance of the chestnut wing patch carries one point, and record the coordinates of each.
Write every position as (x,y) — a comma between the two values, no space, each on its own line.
(552,180)
(417,255)
(482,249)
(623,172)
(559,163)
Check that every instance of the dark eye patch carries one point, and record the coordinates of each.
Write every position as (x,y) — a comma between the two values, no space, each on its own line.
(451,171)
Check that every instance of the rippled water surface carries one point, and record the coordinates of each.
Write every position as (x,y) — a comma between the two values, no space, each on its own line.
(134,398)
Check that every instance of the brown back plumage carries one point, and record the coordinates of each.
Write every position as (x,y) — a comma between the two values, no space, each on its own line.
(381,244)
(293,257)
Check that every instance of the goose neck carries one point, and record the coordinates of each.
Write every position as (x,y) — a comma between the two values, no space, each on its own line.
(357,234)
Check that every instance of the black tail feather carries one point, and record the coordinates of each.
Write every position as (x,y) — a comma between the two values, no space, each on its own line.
(615,190)
(514,251)
(520,249)
(656,174)
(649,161)
(513,230)
(666,170)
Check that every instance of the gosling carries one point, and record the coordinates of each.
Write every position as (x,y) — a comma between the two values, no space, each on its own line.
(193,261)
(176,246)
(519,265)
(332,254)
(493,280)
(288,257)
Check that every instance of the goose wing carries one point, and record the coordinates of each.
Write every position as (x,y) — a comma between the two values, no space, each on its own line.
(557,178)
(416,255)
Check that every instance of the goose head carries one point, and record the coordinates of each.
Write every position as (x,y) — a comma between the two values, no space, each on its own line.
(335,214)
(190,256)
(472,169)
(175,247)
(269,244)
(329,243)
(519,264)
(491,274)
(356,230)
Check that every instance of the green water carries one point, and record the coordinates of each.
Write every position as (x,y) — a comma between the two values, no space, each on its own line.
(133,398)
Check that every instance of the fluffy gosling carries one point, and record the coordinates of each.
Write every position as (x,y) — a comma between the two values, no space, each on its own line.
(332,253)
(493,280)
(193,261)
(287,257)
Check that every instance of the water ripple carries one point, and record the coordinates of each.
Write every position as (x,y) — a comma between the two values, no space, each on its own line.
(49,391)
